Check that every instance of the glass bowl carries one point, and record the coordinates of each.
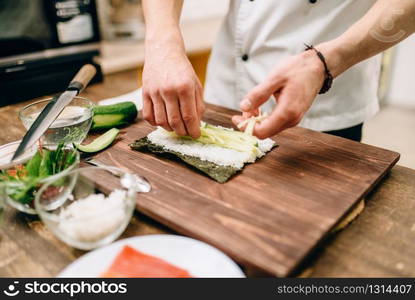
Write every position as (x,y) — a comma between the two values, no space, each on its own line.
(5,188)
(6,212)
(7,152)
(71,126)
(87,207)
(2,205)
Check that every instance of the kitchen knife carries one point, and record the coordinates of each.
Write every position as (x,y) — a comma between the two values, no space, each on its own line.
(52,110)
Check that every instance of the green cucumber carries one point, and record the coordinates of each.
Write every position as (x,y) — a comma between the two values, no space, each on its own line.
(101,142)
(115,115)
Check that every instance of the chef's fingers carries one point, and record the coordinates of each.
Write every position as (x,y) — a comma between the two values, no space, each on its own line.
(148,111)
(200,104)
(261,93)
(160,112)
(285,115)
(189,114)
(275,123)
(173,115)
(238,119)
(253,113)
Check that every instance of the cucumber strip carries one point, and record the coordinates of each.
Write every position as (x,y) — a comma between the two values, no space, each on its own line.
(250,122)
(250,127)
(101,142)
(226,138)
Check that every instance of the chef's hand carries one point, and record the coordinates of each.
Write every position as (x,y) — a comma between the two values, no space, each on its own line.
(172,93)
(294,84)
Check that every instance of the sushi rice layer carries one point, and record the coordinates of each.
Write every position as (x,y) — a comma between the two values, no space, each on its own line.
(207,152)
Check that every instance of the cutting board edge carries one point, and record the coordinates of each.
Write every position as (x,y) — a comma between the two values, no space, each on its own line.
(182,230)
(303,260)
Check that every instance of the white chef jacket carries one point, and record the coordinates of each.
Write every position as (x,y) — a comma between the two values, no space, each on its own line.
(257,35)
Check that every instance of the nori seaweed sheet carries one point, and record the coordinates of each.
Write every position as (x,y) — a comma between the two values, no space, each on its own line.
(219,173)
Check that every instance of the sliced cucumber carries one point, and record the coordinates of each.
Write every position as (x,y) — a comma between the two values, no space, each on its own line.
(101,142)
(101,121)
(226,138)
(115,115)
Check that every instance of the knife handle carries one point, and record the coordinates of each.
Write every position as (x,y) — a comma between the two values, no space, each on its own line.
(82,78)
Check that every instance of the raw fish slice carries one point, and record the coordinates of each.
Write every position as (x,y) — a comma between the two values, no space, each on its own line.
(131,263)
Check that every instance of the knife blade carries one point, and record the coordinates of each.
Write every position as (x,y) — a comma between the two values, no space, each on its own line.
(53,109)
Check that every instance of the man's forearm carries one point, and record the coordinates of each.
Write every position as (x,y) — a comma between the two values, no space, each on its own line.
(172,93)
(387,23)
(162,19)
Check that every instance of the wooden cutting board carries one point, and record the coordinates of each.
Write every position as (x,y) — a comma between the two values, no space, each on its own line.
(272,214)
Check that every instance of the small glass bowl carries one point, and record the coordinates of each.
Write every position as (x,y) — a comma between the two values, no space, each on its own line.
(2,205)
(7,152)
(87,207)
(6,212)
(71,126)
(26,208)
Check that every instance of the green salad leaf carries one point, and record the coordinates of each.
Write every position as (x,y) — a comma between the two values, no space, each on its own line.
(23,181)
(47,164)
(22,190)
(33,165)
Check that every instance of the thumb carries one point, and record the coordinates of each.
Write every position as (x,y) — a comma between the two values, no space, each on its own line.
(259,95)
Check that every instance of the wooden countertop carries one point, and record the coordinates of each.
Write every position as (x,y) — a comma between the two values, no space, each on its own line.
(380,242)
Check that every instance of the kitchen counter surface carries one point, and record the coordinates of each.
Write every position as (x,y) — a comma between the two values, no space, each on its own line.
(125,55)
(379,242)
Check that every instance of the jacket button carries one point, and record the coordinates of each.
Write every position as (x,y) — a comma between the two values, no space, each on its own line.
(245,57)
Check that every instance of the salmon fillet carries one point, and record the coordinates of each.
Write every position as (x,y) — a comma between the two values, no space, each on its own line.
(131,263)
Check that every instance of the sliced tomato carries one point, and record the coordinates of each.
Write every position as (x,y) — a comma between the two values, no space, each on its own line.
(132,263)
(12,172)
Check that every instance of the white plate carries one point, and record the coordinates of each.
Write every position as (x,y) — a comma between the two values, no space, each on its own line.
(198,258)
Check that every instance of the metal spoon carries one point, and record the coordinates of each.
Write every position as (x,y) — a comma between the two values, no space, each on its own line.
(143,185)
